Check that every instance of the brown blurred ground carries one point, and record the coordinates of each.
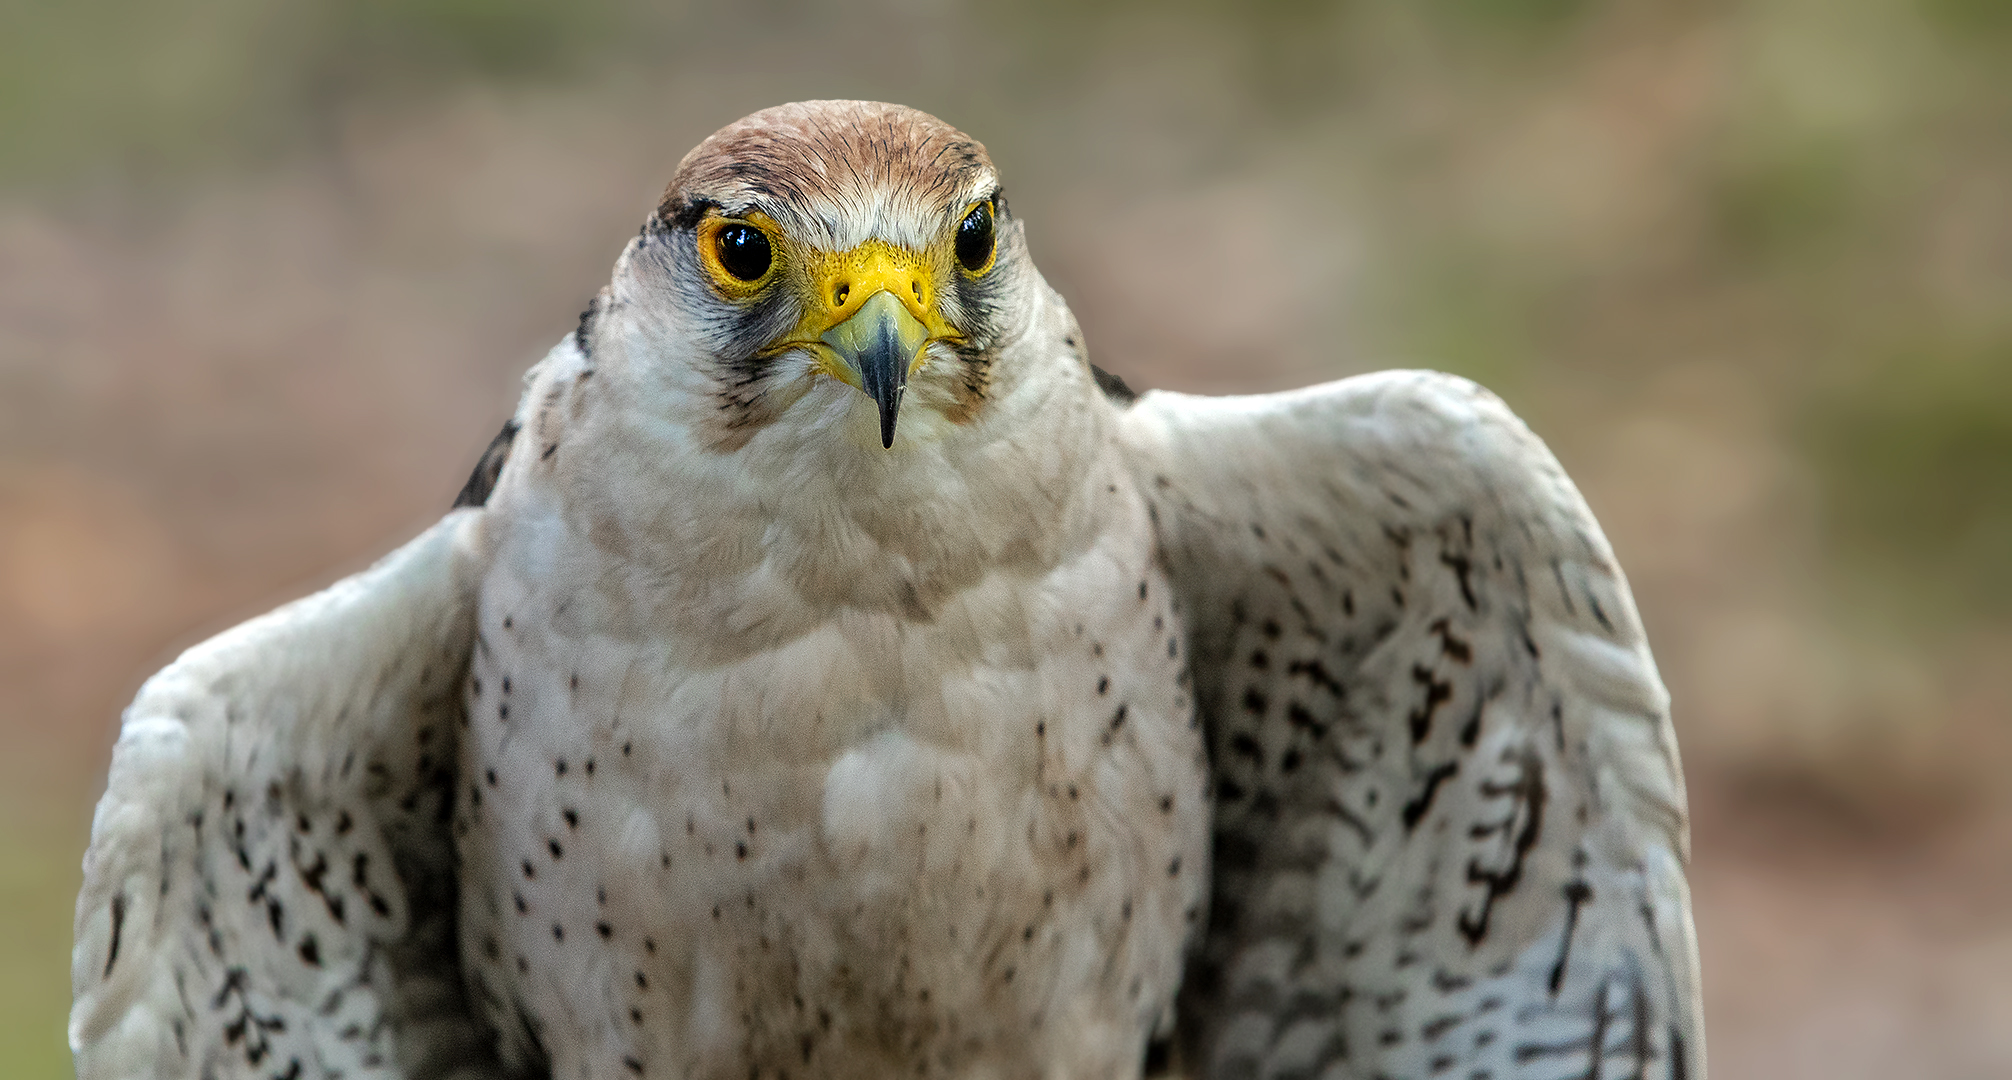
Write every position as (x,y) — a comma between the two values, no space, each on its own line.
(267,282)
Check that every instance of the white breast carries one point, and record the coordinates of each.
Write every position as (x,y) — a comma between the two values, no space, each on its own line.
(972,835)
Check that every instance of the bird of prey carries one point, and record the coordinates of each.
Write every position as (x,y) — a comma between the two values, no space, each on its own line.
(829,673)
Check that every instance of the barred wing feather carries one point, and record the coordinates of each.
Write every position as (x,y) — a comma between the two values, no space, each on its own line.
(1450,818)
(269,887)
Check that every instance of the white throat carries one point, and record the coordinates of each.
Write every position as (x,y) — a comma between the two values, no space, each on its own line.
(810,516)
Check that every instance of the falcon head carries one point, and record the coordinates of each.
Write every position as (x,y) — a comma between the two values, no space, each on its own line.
(853,260)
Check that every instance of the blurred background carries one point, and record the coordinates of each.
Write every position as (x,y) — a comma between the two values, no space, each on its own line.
(269,274)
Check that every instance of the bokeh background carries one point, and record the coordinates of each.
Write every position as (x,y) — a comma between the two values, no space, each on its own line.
(269,273)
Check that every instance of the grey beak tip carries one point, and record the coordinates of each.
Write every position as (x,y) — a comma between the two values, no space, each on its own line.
(890,411)
(879,342)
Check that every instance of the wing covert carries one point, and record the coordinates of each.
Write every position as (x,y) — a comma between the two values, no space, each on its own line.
(269,887)
(1450,819)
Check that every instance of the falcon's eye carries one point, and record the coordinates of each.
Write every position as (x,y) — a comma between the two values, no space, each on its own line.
(743,251)
(974,239)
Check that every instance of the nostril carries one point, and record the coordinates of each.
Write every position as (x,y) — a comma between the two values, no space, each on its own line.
(839,295)
(916,286)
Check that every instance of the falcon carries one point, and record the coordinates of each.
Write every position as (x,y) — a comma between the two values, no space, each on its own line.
(828,672)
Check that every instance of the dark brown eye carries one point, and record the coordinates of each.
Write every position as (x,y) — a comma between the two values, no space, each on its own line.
(974,238)
(744,251)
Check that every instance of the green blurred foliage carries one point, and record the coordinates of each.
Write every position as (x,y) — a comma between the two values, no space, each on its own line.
(131,86)
(1964,19)
(38,882)
(1914,463)
(1791,200)
(1522,16)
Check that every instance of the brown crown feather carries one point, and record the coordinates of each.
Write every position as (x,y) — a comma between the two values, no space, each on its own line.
(824,151)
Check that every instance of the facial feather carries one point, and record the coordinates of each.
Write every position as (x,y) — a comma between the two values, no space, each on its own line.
(824,178)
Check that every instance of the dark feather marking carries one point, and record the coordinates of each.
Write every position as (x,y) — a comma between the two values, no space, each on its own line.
(118,928)
(1243,745)
(1648,916)
(1114,388)
(1638,1034)
(1437,693)
(583,334)
(1416,808)
(1470,731)
(1447,982)
(1529,792)
(1594,1044)
(482,480)
(529,1028)
(1439,1026)
(1529,1052)
(1348,817)
(1452,647)
(1576,894)
(1593,602)
(1461,567)
(1300,717)
(1315,671)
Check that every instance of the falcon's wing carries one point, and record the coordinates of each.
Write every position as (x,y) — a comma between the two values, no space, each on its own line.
(269,890)
(1450,820)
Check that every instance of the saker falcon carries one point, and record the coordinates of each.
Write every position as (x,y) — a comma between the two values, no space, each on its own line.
(829,673)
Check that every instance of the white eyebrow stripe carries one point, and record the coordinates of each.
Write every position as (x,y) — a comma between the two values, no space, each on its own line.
(846,216)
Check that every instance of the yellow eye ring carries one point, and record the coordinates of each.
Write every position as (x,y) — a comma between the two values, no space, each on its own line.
(739,254)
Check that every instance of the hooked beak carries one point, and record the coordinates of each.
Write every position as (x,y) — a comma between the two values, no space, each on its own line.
(869,314)
(879,343)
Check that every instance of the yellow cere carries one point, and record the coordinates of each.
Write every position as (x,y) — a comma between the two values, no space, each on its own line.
(838,283)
